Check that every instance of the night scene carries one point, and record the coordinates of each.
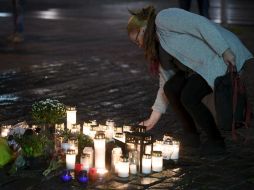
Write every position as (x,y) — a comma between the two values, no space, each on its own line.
(126,95)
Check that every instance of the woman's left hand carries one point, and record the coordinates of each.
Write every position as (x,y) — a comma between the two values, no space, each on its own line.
(228,57)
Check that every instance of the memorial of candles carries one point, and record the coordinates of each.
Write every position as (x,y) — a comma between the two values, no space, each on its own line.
(140,140)
(100,150)
(70,159)
(71,117)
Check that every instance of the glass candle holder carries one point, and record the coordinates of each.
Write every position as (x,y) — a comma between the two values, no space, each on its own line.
(71,116)
(115,158)
(123,170)
(146,164)
(175,150)
(66,176)
(167,149)
(100,150)
(70,159)
(83,177)
(157,161)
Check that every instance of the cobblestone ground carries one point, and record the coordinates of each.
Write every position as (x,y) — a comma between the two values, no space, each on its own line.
(83,58)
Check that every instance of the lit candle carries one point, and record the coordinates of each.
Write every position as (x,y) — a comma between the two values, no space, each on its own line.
(167,149)
(75,129)
(70,159)
(115,158)
(100,150)
(146,164)
(59,128)
(133,155)
(86,128)
(158,146)
(110,129)
(73,144)
(126,128)
(71,116)
(175,151)
(148,149)
(89,150)
(157,161)
(86,161)
(4,132)
(123,165)
(120,137)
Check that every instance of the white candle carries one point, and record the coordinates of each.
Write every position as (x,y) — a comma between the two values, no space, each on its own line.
(71,117)
(126,128)
(70,159)
(148,149)
(89,150)
(85,159)
(167,149)
(133,169)
(4,132)
(120,137)
(146,164)
(86,128)
(73,144)
(75,129)
(158,146)
(59,128)
(115,158)
(123,170)
(100,150)
(157,161)
(175,150)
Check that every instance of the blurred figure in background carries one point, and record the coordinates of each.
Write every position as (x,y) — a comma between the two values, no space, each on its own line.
(18,8)
(203,6)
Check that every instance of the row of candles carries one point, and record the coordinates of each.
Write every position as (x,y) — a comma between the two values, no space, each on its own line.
(150,160)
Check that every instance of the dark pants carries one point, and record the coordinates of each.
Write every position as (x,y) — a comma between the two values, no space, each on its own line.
(248,79)
(185,95)
(203,6)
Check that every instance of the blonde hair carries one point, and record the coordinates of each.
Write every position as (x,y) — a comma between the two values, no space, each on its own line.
(146,17)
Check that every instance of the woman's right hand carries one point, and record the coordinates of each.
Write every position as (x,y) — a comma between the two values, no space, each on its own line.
(151,122)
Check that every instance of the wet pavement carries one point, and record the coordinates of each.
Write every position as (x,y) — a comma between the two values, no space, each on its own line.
(79,53)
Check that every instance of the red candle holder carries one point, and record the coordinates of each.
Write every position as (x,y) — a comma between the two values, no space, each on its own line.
(78,168)
(92,174)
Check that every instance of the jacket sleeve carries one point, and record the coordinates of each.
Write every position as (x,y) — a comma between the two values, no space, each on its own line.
(161,102)
(181,21)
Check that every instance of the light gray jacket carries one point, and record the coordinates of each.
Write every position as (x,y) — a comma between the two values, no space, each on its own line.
(197,43)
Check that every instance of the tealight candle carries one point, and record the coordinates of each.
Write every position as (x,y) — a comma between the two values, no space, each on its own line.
(146,164)
(100,150)
(70,159)
(175,152)
(71,116)
(123,170)
(157,161)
